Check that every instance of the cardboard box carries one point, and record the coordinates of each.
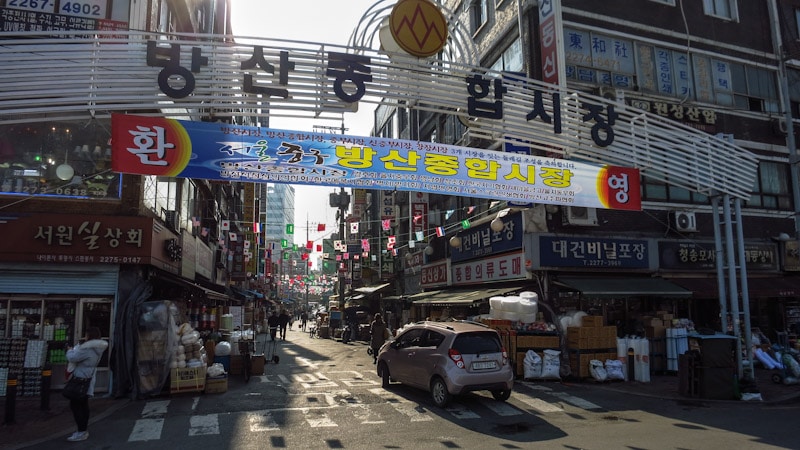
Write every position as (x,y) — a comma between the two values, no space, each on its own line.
(592,321)
(236,365)
(257,363)
(216,385)
(188,379)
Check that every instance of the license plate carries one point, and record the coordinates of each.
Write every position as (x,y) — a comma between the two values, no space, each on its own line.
(484,365)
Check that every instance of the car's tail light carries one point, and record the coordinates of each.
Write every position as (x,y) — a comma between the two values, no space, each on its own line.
(455,355)
(505,355)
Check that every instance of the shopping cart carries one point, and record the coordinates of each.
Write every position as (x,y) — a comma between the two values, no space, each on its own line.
(246,348)
(270,352)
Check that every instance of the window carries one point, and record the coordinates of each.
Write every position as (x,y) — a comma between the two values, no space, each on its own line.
(478,14)
(725,9)
(511,59)
(754,89)
(658,190)
(772,187)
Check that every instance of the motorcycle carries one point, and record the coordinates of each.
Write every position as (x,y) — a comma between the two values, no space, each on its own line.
(349,333)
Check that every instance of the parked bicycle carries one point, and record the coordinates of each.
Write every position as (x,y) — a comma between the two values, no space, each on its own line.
(246,349)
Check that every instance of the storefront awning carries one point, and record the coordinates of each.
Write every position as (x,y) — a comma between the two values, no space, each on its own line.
(623,287)
(210,294)
(756,287)
(458,297)
(372,289)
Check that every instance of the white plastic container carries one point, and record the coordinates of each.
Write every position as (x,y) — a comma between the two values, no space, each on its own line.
(496,303)
(527,318)
(528,306)
(510,304)
(510,315)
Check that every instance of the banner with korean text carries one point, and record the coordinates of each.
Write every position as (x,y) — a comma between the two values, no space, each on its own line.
(219,151)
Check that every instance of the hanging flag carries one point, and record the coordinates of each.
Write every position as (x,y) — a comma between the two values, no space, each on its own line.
(365,244)
(195,221)
(417,218)
(337,245)
(320,227)
(353,227)
(465,224)
(420,235)
(439,231)
(304,256)
(256,228)
(338,257)
(225,225)
(470,209)
(233,237)
(289,228)
(284,243)
(295,247)
(386,224)
(365,255)
(394,252)
(310,264)
(319,247)
(204,232)
(346,255)
(309,244)
(246,245)
(356,257)
(449,213)
(412,244)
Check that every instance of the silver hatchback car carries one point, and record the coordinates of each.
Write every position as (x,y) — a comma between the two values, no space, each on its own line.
(446,359)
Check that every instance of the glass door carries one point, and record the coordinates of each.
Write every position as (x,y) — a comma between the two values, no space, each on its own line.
(97,312)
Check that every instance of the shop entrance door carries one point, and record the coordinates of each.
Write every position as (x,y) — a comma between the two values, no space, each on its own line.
(97,312)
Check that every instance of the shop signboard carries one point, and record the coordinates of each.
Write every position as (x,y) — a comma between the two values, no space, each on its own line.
(593,253)
(506,267)
(482,241)
(701,255)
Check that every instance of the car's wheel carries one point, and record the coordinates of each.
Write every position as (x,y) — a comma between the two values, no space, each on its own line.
(439,392)
(383,372)
(501,395)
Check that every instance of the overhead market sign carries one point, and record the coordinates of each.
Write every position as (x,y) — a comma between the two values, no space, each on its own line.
(217,151)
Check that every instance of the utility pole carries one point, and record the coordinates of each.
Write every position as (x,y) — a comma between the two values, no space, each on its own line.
(308,261)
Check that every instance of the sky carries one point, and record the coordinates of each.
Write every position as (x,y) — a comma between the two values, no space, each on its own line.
(319,21)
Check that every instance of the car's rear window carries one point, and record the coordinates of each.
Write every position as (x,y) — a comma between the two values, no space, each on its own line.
(477,342)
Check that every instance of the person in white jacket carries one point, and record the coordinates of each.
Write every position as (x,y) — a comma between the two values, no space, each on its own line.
(84,358)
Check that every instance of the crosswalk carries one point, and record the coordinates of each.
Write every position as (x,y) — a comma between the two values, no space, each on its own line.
(326,401)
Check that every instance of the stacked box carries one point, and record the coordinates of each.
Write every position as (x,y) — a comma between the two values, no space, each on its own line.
(592,321)
(236,365)
(257,363)
(188,379)
(579,364)
(216,385)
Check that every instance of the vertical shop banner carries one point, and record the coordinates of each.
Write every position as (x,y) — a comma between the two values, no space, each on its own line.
(218,151)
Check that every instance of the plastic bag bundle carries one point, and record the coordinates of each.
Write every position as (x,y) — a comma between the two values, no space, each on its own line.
(215,370)
(551,364)
(532,365)
(223,348)
(791,365)
(597,370)
(615,370)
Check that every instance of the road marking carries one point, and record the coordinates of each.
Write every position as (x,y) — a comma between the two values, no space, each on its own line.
(307,362)
(203,425)
(539,404)
(356,383)
(365,414)
(415,412)
(502,408)
(575,401)
(155,409)
(460,412)
(262,421)
(318,419)
(146,430)
(284,379)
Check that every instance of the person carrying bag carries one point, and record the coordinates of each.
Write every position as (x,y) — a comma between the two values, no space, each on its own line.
(80,385)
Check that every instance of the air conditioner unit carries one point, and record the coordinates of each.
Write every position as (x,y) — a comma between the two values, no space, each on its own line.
(579,215)
(612,94)
(779,127)
(684,221)
(172,219)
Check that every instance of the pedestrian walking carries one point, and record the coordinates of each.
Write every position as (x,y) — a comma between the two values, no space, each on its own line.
(379,333)
(303,321)
(283,320)
(84,358)
(273,323)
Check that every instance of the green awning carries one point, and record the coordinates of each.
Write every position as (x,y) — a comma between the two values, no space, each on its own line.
(623,287)
(463,297)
